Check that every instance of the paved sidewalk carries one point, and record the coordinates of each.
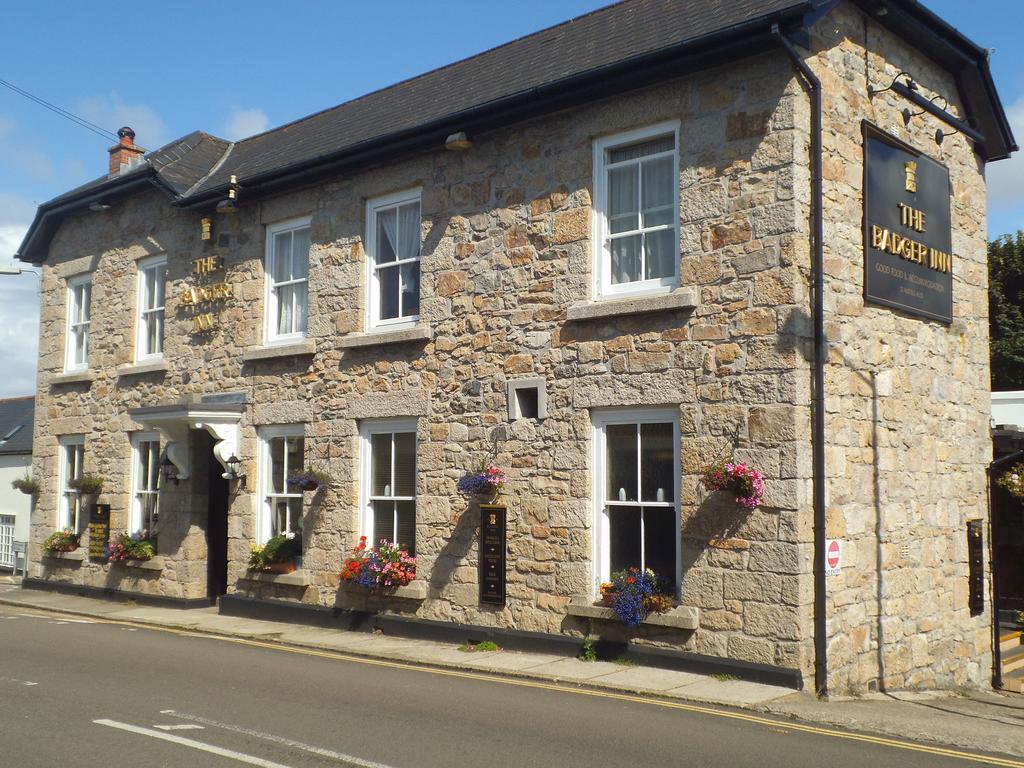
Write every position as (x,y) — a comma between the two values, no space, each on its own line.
(983,720)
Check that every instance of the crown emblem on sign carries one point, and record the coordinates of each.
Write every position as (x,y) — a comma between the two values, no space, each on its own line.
(910,168)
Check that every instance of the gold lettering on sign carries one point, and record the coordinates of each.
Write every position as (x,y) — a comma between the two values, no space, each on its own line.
(910,169)
(911,217)
(206,228)
(206,265)
(203,322)
(883,239)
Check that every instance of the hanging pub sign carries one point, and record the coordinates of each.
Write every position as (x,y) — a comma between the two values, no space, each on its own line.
(908,240)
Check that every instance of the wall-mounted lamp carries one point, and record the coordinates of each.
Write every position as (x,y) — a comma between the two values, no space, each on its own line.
(234,468)
(940,135)
(168,471)
(230,204)
(18,271)
(872,91)
(458,141)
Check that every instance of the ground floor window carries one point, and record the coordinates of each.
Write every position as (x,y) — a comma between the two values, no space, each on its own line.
(636,488)
(389,482)
(282,452)
(145,482)
(69,505)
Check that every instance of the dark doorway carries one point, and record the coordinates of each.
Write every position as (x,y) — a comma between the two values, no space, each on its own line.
(1007,528)
(216,527)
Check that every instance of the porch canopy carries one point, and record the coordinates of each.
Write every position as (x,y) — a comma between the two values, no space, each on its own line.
(221,420)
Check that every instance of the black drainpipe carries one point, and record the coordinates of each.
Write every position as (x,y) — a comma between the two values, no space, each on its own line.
(997,653)
(812,85)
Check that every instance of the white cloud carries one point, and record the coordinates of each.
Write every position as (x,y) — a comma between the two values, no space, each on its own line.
(242,123)
(111,112)
(1006,177)
(19,308)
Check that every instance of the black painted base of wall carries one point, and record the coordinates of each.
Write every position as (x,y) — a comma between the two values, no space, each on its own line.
(511,639)
(114,595)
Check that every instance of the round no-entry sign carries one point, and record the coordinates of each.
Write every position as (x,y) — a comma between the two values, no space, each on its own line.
(833,556)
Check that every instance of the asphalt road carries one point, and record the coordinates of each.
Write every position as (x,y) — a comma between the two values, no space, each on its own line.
(83,693)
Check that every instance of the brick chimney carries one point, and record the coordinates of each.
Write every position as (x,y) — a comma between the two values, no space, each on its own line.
(125,151)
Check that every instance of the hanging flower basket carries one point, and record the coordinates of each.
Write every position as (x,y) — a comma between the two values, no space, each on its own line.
(1013,481)
(27,485)
(486,483)
(87,485)
(745,483)
(309,480)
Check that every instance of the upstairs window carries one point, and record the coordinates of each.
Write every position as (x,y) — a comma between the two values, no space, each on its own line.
(152,279)
(636,210)
(287,269)
(145,483)
(69,505)
(393,245)
(79,299)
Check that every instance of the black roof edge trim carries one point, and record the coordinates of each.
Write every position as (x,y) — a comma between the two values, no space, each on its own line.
(69,205)
(538,100)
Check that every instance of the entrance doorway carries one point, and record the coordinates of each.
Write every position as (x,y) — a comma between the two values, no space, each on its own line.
(217,495)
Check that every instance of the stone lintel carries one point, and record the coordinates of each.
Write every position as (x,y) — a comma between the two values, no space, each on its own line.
(307,347)
(299,578)
(680,617)
(681,298)
(72,377)
(137,369)
(378,338)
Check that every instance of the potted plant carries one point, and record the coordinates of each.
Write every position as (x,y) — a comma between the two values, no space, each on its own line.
(485,483)
(745,483)
(309,479)
(132,546)
(61,541)
(89,488)
(26,484)
(277,555)
(637,594)
(379,567)
(1012,480)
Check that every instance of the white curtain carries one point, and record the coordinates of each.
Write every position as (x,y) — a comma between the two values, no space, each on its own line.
(408,232)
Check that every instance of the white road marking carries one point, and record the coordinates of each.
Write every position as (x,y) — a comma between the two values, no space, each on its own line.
(228,753)
(339,756)
(182,727)
(15,680)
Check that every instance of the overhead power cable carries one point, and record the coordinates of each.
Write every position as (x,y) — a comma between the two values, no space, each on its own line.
(110,135)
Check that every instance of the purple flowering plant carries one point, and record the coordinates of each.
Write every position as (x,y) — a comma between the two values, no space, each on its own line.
(486,481)
(386,565)
(637,593)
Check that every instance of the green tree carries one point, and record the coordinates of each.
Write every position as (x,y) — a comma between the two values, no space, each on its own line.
(1006,311)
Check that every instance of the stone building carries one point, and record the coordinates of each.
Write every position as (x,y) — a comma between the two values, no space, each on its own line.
(591,256)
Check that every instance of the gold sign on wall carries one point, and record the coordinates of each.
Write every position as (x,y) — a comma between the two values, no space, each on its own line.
(205,299)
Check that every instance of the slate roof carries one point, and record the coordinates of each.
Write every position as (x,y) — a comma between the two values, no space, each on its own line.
(586,57)
(16,415)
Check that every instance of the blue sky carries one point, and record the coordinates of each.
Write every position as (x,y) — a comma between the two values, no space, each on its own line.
(234,69)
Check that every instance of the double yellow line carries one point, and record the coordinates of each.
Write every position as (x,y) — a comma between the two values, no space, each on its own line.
(579,691)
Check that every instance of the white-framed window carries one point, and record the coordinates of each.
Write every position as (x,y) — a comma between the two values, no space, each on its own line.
(79,298)
(393,253)
(388,469)
(69,505)
(636,488)
(282,452)
(287,267)
(145,508)
(149,343)
(636,211)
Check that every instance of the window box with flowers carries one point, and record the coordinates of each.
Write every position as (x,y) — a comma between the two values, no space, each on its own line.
(63,545)
(136,550)
(385,569)
(278,555)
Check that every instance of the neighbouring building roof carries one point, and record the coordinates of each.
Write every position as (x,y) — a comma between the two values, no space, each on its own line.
(16,425)
(588,57)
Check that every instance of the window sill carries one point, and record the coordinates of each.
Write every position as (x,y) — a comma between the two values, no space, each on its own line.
(680,617)
(300,348)
(153,564)
(417,590)
(299,578)
(138,369)
(379,338)
(681,298)
(74,556)
(72,377)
